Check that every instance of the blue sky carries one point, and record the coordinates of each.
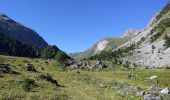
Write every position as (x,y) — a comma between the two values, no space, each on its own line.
(75,25)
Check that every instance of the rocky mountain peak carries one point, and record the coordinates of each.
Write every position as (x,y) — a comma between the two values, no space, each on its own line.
(101,46)
(130,32)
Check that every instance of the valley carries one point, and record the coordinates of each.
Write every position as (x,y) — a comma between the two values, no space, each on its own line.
(77,84)
(132,66)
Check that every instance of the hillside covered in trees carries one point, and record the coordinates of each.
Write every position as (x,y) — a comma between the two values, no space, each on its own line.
(13,47)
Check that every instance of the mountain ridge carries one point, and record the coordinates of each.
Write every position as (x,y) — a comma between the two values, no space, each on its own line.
(20,32)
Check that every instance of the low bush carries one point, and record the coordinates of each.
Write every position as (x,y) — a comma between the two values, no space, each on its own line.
(28,84)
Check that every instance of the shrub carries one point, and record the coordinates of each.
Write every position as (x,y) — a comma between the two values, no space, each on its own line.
(28,84)
(153,47)
(61,56)
(167,41)
(160,28)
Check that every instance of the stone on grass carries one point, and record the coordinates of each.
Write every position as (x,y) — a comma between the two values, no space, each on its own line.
(152,97)
(102,84)
(153,88)
(48,78)
(5,69)
(165,91)
(30,67)
(127,90)
(153,77)
(141,93)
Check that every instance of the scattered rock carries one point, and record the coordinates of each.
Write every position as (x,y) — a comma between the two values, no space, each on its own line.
(127,90)
(48,78)
(102,84)
(74,66)
(153,77)
(78,72)
(98,62)
(5,68)
(46,62)
(71,63)
(153,88)
(151,97)
(30,67)
(165,91)
(141,93)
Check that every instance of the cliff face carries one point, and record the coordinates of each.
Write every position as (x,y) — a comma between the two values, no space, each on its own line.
(20,32)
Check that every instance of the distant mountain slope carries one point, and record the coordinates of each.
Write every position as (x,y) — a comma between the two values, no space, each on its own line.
(20,32)
(13,47)
(107,44)
(150,48)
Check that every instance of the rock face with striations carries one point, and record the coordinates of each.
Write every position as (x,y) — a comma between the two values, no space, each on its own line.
(20,32)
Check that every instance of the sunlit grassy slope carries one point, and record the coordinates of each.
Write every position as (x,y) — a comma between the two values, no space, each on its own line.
(75,84)
(113,43)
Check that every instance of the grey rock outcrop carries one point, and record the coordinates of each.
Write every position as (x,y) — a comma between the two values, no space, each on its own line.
(151,97)
(71,63)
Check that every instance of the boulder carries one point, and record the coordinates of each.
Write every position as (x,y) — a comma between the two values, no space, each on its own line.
(165,91)
(153,77)
(98,62)
(151,97)
(127,90)
(74,66)
(141,93)
(153,88)
(30,67)
(5,69)
(48,78)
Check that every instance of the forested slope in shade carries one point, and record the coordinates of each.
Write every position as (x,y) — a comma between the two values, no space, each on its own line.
(13,47)
(20,32)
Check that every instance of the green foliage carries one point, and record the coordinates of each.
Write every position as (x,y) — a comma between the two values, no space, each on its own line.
(165,10)
(160,28)
(61,56)
(167,41)
(28,84)
(49,52)
(12,47)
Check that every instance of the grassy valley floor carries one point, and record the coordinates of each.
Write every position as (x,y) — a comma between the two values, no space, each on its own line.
(75,84)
